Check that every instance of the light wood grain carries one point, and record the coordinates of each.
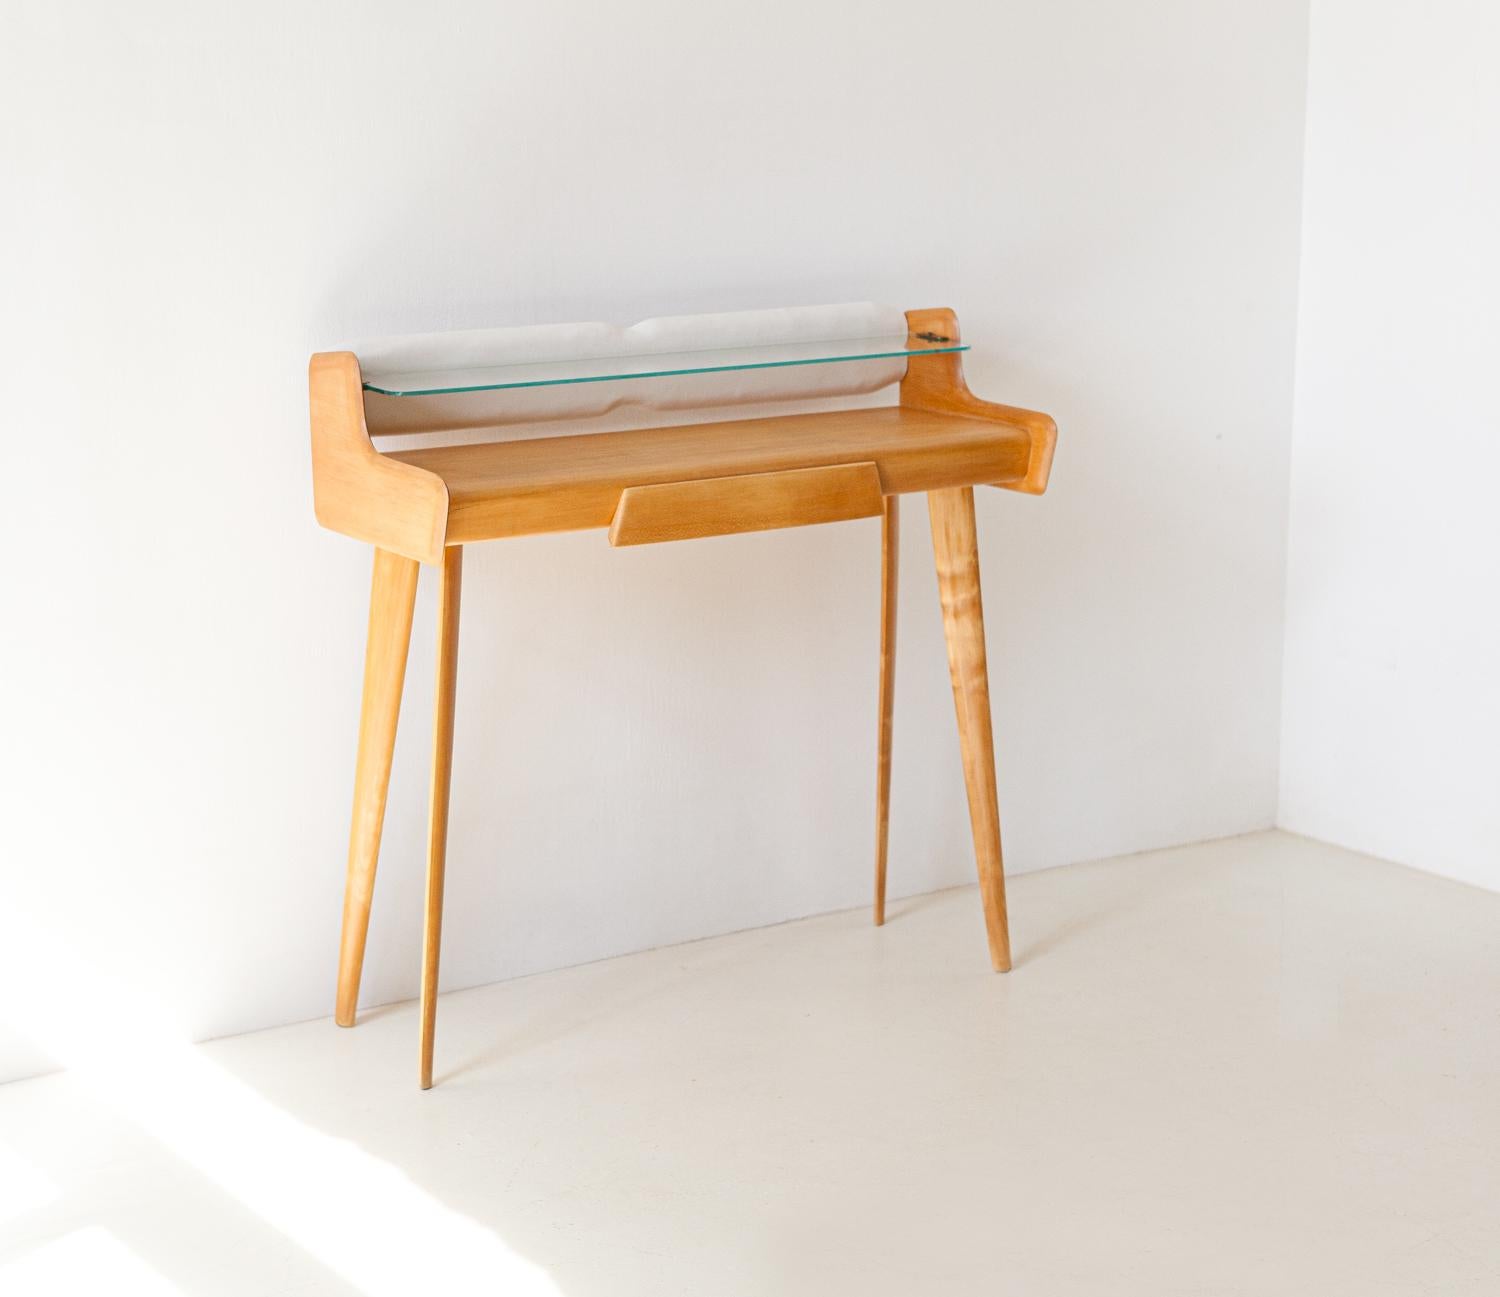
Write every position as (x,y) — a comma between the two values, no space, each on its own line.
(356,489)
(393,592)
(955,545)
(935,383)
(658,484)
(442,778)
(414,502)
(723,506)
(516,488)
(890,553)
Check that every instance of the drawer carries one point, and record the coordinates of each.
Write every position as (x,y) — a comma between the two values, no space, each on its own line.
(722,506)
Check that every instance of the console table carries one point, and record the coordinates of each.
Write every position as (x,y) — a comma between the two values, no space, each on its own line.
(489,396)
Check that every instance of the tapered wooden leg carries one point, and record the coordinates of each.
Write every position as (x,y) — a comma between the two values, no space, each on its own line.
(393,592)
(442,772)
(890,538)
(955,545)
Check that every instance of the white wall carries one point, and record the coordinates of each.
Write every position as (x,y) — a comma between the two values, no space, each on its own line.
(657,744)
(1392,703)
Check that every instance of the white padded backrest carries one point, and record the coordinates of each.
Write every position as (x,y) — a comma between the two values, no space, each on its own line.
(480,348)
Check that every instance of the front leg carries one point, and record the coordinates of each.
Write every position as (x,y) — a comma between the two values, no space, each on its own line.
(955,545)
(392,596)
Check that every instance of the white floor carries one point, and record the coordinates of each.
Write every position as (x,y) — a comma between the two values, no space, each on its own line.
(1253,1066)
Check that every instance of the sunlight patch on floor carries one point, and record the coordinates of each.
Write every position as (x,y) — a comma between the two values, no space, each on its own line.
(84,1261)
(23,1187)
(359,1216)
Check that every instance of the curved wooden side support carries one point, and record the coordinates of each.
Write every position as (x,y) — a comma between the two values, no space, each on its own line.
(358,491)
(936,382)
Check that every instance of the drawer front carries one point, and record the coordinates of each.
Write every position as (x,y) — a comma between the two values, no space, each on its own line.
(722,506)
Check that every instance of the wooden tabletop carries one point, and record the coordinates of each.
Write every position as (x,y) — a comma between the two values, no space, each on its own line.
(513,488)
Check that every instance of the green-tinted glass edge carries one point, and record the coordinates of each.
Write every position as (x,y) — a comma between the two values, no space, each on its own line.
(664,373)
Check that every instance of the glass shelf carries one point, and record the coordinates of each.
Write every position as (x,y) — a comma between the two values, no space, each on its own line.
(607,369)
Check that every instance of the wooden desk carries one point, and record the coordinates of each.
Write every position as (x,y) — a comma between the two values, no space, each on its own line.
(671,483)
